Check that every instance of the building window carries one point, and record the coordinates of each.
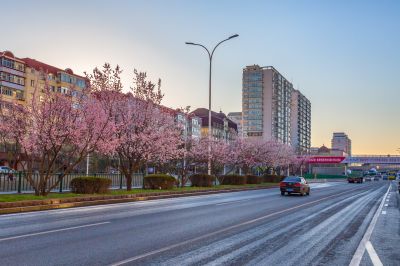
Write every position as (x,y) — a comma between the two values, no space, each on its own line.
(6,91)
(32,83)
(12,78)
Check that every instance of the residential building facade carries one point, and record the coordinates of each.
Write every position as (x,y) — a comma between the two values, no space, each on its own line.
(300,123)
(237,118)
(12,77)
(21,77)
(266,104)
(221,126)
(341,142)
(191,124)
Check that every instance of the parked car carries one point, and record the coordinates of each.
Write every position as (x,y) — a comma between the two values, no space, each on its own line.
(294,184)
(377,178)
(384,177)
(7,172)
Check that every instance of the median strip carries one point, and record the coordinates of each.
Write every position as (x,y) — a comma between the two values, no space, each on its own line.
(61,203)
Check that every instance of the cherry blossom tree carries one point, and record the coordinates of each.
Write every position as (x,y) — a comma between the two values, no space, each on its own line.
(220,150)
(145,131)
(56,132)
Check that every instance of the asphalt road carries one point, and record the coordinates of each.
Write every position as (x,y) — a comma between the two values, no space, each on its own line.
(241,228)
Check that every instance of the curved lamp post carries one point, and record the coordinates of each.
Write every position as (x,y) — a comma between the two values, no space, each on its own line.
(210,56)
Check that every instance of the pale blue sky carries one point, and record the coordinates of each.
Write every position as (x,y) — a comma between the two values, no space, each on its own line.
(343,55)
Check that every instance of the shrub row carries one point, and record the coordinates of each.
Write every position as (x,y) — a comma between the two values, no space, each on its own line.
(202,180)
(273,178)
(234,180)
(159,181)
(90,185)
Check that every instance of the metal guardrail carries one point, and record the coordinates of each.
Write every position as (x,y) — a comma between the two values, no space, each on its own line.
(18,183)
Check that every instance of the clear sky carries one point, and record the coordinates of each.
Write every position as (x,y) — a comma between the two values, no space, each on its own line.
(344,55)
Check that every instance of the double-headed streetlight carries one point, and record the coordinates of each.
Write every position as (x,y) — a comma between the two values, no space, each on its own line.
(210,56)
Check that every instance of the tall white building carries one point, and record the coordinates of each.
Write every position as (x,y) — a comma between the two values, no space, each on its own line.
(237,118)
(341,142)
(266,104)
(300,123)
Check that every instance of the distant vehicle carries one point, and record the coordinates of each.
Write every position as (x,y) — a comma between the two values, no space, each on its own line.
(392,175)
(355,179)
(384,177)
(377,178)
(368,178)
(294,184)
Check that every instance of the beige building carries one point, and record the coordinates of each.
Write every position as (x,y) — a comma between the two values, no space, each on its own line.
(266,104)
(341,142)
(20,77)
(12,78)
(221,126)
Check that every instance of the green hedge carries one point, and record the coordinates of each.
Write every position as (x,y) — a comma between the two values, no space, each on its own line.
(202,180)
(234,180)
(272,178)
(90,185)
(323,176)
(159,181)
(253,179)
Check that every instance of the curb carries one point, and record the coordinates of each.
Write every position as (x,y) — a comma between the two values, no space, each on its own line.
(51,204)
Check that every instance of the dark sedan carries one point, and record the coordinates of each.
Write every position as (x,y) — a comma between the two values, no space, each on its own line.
(294,184)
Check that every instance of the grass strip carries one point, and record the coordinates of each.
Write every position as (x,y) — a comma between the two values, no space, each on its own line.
(54,195)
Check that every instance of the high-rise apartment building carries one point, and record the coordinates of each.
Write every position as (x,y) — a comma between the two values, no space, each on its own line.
(237,118)
(300,123)
(266,104)
(341,142)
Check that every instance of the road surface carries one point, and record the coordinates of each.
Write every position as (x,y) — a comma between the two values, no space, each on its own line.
(338,224)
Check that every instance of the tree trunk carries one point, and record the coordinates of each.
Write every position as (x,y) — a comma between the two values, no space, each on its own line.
(129,182)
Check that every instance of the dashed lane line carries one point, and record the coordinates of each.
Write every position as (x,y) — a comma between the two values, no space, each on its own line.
(52,231)
(355,261)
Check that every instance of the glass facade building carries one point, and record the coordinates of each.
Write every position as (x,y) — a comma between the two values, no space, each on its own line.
(266,104)
(301,123)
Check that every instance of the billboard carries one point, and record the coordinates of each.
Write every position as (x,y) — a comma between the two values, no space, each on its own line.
(326,159)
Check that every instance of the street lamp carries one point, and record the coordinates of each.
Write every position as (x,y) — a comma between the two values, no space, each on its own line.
(210,56)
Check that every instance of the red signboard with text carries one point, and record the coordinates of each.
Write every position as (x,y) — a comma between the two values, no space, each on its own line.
(326,159)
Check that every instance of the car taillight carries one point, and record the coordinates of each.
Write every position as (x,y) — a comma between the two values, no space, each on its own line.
(297,185)
(282,184)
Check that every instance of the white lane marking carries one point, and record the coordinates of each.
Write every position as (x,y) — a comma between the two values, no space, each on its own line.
(386,205)
(383,212)
(373,255)
(52,231)
(230,202)
(138,257)
(355,261)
